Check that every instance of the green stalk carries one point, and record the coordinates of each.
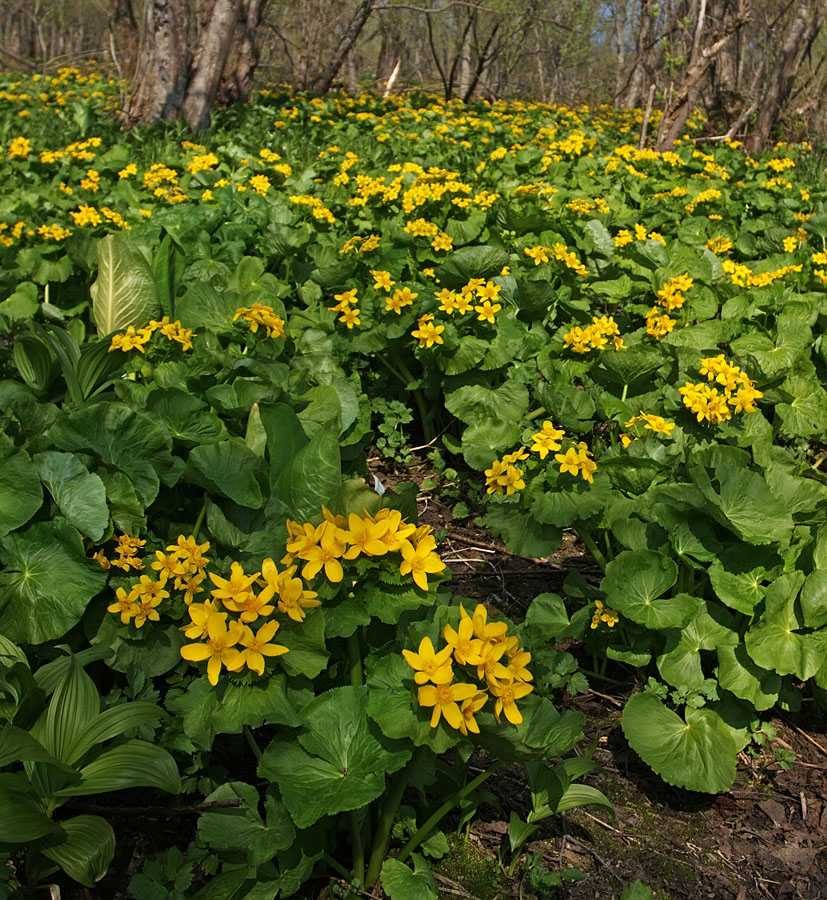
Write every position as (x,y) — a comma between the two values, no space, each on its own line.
(443,810)
(251,740)
(593,549)
(419,398)
(387,814)
(354,656)
(337,866)
(358,847)
(200,520)
(535,414)
(625,391)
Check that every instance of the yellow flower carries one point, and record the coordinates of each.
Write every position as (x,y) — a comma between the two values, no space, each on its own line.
(365,536)
(324,553)
(256,647)
(445,699)
(428,333)
(125,605)
(486,311)
(145,609)
(382,280)
(350,317)
(469,708)
(219,647)
(507,696)
(420,561)
(547,439)
(466,647)
(569,461)
(428,665)
(233,590)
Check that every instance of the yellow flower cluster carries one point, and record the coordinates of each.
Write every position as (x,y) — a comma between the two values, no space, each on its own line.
(487,651)
(323,547)
(19,148)
(559,252)
(259,314)
(742,275)
(427,332)
(738,392)
(595,336)
(655,424)
(183,565)
(671,295)
(424,228)
(703,197)
(361,245)
(504,475)
(133,339)
(317,208)
(202,163)
(127,554)
(53,232)
(719,244)
(603,613)
(624,236)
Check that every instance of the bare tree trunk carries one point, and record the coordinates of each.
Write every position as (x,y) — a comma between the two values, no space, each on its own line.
(795,47)
(161,64)
(688,93)
(215,48)
(237,78)
(124,29)
(323,83)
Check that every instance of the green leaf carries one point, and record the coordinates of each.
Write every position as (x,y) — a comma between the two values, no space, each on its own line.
(112,722)
(636,579)
(522,534)
(548,615)
(17,745)
(122,438)
(483,441)
(46,583)
(229,469)
(774,642)
(637,890)
(22,819)
(22,304)
(133,764)
(400,883)
(312,477)
(80,496)
(339,761)
(471,262)
(698,753)
(20,490)
(681,666)
(242,827)
(745,504)
(86,850)
(472,402)
(73,705)
(737,576)
(204,308)
(185,417)
(739,675)
(124,292)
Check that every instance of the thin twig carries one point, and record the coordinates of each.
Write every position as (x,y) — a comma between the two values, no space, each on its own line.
(807,737)
(160,812)
(605,697)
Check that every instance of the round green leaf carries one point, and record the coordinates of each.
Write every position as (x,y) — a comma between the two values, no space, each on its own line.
(46,583)
(80,495)
(698,754)
(337,763)
(635,584)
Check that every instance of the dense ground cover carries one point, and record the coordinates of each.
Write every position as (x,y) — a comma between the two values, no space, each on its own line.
(203,591)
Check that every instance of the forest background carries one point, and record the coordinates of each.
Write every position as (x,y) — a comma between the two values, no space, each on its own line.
(757,69)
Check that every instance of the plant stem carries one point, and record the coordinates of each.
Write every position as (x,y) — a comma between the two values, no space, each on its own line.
(354,655)
(535,414)
(596,674)
(623,395)
(337,866)
(358,847)
(387,814)
(251,740)
(443,810)
(200,520)
(598,557)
